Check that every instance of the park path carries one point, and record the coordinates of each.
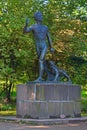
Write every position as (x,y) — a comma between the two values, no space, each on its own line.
(17,126)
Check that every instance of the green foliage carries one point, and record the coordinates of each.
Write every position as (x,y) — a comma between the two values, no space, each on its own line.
(84,101)
(7,109)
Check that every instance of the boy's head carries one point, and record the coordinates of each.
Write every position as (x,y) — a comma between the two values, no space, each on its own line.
(38,16)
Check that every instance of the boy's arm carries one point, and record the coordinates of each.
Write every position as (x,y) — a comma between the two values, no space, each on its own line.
(27,29)
(50,41)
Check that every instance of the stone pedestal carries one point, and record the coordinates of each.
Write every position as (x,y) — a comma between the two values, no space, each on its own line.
(48,100)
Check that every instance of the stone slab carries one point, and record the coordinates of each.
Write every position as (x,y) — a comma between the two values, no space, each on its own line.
(47,109)
(48,91)
(43,121)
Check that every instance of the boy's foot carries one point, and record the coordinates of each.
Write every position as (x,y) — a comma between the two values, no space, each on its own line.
(39,80)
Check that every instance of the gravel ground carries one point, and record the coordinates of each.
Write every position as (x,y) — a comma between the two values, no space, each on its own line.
(16,126)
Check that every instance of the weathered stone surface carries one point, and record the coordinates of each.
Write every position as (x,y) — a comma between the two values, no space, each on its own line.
(22,92)
(48,100)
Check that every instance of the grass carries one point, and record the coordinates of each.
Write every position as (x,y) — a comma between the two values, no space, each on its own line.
(84,114)
(8,113)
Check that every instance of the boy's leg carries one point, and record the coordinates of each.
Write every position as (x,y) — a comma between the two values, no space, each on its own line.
(41,64)
(41,60)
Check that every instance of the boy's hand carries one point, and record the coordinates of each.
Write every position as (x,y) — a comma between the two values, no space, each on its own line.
(27,21)
(52,50)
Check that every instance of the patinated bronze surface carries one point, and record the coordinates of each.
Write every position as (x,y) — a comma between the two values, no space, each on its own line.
(41,33)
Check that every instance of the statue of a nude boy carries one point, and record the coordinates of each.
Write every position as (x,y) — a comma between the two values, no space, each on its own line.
(41,33)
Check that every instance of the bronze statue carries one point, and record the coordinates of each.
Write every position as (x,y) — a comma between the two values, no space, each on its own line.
(41,33)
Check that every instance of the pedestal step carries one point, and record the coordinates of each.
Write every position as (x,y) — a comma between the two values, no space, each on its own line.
(48,109)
